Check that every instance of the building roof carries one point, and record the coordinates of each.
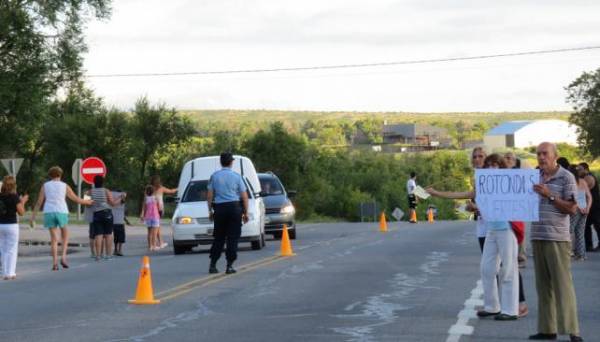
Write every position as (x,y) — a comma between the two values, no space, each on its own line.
(509,127)
(412,130)
(406,130)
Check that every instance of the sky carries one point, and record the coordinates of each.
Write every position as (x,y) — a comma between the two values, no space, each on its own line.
(157,36)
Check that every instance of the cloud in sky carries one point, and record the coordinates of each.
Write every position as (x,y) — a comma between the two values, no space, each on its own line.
(191,35)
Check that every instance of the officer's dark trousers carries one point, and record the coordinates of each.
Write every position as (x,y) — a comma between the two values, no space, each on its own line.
(228,227)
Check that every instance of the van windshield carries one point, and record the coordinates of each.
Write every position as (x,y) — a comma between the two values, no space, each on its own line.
(196,191)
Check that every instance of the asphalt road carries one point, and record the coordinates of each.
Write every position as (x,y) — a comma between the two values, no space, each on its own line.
(347,282)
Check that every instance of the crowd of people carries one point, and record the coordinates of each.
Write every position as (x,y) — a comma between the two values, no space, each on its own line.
(104,211)
(568,208)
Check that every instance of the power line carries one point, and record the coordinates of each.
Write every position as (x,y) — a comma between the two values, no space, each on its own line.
(348,66)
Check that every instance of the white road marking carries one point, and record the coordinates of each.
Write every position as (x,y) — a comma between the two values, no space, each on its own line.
(462,326)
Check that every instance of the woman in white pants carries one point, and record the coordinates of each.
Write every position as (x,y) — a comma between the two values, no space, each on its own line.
(500,247)
(10,205)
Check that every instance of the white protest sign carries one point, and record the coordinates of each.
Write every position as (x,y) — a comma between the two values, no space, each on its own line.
(507,194)
(421,193)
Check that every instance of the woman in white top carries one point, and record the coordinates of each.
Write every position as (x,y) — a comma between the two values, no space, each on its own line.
(53,196)
(584,204)
(159,191)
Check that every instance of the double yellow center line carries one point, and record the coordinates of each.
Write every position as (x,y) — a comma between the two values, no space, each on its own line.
(212,279)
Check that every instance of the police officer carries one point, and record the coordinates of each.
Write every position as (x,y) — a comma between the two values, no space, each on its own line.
(228,207)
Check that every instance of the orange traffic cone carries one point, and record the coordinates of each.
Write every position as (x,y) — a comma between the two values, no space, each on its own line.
(413,216)
(382,223)
(430,215)
(144,293)
(286,246)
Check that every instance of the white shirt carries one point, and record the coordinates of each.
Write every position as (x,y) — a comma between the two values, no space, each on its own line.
(55,193)
(411,185)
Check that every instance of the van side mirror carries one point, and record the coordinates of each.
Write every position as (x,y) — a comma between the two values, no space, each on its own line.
(291,193)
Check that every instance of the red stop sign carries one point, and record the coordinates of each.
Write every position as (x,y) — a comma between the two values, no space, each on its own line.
(90,168)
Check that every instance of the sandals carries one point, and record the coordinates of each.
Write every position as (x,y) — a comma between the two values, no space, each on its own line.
(55,267)
(64,264)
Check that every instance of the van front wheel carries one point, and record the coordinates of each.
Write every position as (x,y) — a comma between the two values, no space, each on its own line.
(258,244)
(179,249)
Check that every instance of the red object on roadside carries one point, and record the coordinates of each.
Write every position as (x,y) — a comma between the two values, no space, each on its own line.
(92,167)
(519,228)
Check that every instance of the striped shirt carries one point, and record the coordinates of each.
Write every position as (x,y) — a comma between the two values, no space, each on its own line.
(99,198)
(553,224)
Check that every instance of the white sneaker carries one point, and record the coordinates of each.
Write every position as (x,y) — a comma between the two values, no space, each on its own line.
(163,245)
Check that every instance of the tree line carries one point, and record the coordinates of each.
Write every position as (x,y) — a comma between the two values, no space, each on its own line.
(48,116)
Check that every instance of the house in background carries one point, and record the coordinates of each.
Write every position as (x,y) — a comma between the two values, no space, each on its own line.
(523,134)
(415,135)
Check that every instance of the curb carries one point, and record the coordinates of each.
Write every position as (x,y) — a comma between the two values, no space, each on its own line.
(47,243)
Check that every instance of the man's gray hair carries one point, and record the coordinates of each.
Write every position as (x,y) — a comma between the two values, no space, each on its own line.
(552,147)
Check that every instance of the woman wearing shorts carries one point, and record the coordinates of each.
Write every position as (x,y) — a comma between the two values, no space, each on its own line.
(102,224)
(150,216)
(159,190)
(53,196)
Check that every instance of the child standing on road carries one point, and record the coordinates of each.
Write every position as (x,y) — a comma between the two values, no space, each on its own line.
(150,216)
(119,221)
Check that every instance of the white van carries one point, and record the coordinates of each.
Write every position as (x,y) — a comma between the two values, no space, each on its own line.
(191,226)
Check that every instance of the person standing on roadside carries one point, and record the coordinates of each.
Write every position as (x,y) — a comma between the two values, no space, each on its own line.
(512,162)
(593,219)
(150,216)
(411,185)
(102,218)
(52,196)
(499,246)
(550,239)
(159,191)
(478,161)
(584,203)
(11,205)
(227,201)
(119,220)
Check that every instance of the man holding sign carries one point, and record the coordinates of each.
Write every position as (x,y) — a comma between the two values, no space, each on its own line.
(550,238)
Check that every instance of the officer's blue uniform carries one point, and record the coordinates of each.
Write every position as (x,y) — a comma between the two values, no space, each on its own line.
(227,186)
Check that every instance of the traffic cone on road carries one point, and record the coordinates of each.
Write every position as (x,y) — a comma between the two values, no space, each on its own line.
(382,223)
(144,293)
(286,246)
(430,215)
(413,216)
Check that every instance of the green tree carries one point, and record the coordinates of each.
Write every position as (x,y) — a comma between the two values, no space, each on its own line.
(41,44)
(584,95)
(287,155)
(153,129)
